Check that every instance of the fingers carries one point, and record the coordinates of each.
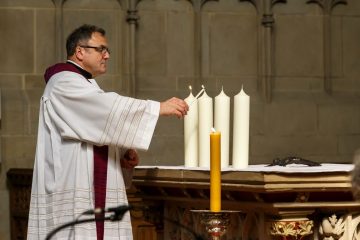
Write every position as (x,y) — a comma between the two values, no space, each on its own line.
(184,108)
(180,108)
(128,163)
(130,159)
(174,106)
(180,103)
(131,154)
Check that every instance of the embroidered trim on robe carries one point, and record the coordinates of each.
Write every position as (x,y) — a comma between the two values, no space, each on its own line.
(76,115)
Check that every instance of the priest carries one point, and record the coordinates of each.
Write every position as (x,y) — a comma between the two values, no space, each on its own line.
(86,143)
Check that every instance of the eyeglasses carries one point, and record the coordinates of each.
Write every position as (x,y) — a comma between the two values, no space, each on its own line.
(101,49)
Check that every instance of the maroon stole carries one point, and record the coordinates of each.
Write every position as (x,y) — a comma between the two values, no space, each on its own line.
(100,177)
(100,153)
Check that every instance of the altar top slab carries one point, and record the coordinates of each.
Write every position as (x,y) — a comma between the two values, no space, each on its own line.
(274,190)
(253,178)
(292,168)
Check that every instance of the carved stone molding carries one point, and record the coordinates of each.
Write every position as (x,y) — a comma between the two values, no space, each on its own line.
(341,227)
(198,4)
(59,29)
(327,6)
(132,19)
(132,16)
(332,227)
(266,46)
(198,56)
(264,7)
(121,2)
(291,229)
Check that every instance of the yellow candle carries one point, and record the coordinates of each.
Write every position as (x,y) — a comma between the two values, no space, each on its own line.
(215,171)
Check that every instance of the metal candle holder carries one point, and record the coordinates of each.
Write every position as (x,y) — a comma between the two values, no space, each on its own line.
(215,222)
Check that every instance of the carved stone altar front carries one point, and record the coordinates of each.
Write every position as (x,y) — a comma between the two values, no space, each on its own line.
(296,204)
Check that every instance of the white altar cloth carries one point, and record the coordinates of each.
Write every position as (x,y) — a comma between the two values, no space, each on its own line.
(291,168)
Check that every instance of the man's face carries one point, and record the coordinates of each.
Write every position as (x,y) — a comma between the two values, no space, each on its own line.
(95,54)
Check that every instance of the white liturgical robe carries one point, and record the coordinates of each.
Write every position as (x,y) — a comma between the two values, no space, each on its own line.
(75,115)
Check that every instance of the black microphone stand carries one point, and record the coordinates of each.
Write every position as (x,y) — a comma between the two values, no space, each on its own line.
(73,223)
(116,216)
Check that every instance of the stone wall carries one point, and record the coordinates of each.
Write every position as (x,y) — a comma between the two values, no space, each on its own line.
(297,60)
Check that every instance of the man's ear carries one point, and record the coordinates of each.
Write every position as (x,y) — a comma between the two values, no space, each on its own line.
(79,53)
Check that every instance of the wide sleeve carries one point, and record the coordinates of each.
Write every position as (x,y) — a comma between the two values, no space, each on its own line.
(81,110)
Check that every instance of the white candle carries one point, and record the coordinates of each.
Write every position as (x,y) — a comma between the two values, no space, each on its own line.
(197,95)
(205,124)
(191,132)
(222,124)
(241,130)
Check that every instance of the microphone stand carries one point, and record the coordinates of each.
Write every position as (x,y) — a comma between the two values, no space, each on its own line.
(73,223)
(116,216)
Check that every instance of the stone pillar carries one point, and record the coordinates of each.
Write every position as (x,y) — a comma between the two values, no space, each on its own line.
(198,53)
(132,19)
(266,44)
(59,29)
(327,6)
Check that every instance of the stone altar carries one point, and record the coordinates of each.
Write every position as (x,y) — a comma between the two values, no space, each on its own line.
(293,202)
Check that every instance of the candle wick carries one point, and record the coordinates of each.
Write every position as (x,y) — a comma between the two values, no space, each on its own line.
(213,130)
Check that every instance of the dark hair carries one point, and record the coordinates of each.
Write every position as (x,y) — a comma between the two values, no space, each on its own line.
(83,33)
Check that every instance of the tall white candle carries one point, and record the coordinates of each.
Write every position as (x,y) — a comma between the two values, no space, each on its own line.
(222,124)
(205,124)
(191,133)
(241,130)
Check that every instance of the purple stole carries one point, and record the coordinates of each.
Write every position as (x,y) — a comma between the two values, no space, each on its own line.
(100,152)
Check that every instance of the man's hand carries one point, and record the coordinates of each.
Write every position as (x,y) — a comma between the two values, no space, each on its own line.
(130,159)
(174,107)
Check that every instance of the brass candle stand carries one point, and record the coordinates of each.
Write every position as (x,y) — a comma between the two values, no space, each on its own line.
(215,223)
